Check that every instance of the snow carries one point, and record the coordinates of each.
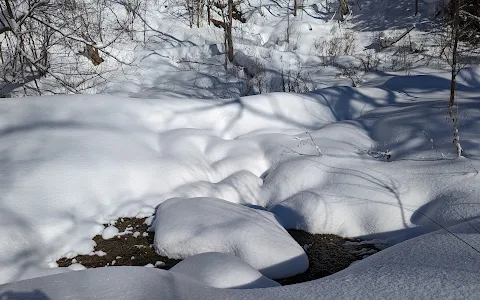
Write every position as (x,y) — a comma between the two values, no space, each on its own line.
(222,270)
(371,198)
(109,232)
(149,266)
(100,253)
(432,264)
(186,227)
(225,172)
(40,272)
(76,267)
(159,264)
(108,157)
(104,156)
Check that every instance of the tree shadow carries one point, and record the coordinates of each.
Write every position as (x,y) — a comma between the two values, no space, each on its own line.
(8,87)
(34,295)
(103,283)
(470,76)
(423,84)
(373,15)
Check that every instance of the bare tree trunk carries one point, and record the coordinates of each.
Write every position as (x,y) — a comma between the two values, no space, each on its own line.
(208,11)
(190,12)
(228,31)
(455,38)
(226,47)
(288,26)
(344,7)
(199,10)
(144,24)
(452,108)
(9,9)
(294,8)
(416,7)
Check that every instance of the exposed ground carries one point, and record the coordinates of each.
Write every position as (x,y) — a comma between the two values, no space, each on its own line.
(327,253)
(124,250)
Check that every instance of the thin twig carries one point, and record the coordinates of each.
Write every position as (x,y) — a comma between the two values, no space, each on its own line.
(318,149)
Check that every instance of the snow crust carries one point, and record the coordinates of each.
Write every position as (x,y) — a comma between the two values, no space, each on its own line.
(222,270)
(186,227)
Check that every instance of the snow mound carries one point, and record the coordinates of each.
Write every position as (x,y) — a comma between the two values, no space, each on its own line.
(186,227)
(437,265)
(367,198)
(109,232)
(222,270)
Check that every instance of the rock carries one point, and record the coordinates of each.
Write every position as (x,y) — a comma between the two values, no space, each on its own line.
(186,227)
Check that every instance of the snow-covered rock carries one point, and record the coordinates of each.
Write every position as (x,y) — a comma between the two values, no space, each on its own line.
(77,267)
(186,227)
(109,232)
(222,270)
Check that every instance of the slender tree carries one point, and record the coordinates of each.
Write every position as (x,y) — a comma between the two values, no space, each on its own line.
(453,107)
(226,11)
(344,9)
(228,31)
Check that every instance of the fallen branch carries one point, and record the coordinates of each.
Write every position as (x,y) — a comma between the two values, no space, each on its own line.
(385,43)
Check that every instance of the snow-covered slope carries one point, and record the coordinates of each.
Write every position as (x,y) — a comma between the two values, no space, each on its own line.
(275,51)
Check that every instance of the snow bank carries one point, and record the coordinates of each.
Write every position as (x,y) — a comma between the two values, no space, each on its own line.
(186,227)
(432,265)
(222,270)
(72,163)
(368,198)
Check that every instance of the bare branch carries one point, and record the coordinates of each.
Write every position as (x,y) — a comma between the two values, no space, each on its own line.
(466,13)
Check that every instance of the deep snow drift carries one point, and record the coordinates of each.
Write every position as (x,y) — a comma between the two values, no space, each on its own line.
(314,160)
